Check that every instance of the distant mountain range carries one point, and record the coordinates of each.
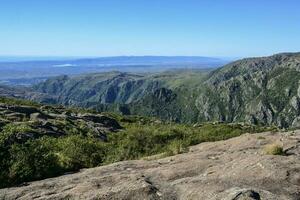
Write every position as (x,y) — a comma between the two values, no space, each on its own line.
(28,72)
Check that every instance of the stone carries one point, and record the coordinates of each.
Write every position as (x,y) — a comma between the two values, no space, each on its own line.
(38,117)
(101,119)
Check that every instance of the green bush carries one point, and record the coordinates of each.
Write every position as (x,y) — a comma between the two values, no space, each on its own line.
(32,160)
(75,152)
(11,131)
(48,157)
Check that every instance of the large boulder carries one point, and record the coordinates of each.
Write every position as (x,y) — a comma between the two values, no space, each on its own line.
(235,169)
(27,110)
(38,116)
(102,119)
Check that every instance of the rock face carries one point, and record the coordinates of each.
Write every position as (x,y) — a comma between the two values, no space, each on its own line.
(236,169)
(258,90)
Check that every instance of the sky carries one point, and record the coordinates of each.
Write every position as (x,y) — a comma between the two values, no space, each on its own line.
(219,28)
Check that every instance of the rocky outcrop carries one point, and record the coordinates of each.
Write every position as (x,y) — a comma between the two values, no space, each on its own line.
(236,169)
(53,121)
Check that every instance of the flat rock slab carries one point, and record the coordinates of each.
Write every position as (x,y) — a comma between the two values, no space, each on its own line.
(235,169)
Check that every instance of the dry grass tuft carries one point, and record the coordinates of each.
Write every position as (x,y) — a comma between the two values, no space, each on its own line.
(274,149)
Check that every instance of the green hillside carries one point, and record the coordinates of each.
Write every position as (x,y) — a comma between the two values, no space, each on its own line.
(254,90)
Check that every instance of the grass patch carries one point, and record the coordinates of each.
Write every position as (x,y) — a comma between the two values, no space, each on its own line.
(261,138)
(273,149)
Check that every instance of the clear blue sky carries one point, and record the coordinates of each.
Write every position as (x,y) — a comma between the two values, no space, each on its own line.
(231,28)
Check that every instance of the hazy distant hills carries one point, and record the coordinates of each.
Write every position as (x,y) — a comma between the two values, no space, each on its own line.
(153,60)
(29,72)
(116,87)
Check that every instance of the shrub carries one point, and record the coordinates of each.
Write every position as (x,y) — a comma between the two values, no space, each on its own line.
(261,138)
(47,157)
(176,147)
(75,152)
(33,160)
(274,149)
(10,132)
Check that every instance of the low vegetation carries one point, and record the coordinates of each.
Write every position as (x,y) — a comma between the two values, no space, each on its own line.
(274,149)
(29,151)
